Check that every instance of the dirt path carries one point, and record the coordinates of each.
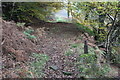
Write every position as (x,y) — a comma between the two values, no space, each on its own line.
(55,41)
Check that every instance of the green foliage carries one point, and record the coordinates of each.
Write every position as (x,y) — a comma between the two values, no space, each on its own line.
(102,37)
(83,28)
(60,19)
(28,34)
(94,14)
(74,45)
(29,31)
(115,56)
(88,66)
(26,11)
(37,65)
(20,24)
(80,48)
(102,34)
(99,7)
(69,52)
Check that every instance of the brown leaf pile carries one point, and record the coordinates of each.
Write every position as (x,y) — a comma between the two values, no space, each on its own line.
(16,48)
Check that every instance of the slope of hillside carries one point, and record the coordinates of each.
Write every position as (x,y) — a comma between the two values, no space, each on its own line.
(54,51)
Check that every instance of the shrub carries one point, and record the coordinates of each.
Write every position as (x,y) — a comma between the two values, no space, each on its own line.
(115,56)
(88,66)
(83,28)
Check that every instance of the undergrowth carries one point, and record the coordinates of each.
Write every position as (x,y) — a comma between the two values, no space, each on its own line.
(87,64)
(37,65)
(115,55)
(83,28)
(28,34)
(89,68)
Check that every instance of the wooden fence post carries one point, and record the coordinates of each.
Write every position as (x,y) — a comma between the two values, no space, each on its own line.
(85,47)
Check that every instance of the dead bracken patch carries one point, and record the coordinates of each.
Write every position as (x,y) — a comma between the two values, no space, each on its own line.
(15,48)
